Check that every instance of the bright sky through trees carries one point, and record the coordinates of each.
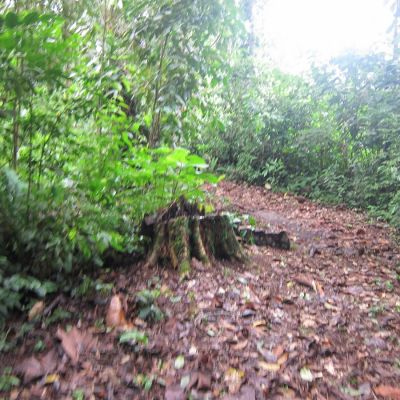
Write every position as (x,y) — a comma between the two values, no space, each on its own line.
(293,32)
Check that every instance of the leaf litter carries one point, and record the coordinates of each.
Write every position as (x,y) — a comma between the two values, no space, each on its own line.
(320,321)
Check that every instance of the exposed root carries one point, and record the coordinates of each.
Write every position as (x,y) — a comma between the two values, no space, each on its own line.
(180,239)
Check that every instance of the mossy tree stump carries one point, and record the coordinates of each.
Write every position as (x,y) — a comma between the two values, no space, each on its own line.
(177,238)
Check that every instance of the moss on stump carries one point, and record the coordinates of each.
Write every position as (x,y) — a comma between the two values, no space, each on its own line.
(178,240)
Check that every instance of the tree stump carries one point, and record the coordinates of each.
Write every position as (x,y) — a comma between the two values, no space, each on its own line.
(183,232)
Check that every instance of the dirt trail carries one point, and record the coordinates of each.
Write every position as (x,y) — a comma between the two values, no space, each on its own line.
(321,321)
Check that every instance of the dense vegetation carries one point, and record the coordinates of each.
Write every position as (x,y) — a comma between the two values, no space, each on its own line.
(100,100)
(333,136)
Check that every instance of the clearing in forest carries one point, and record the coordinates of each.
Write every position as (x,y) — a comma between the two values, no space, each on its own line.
(320,321)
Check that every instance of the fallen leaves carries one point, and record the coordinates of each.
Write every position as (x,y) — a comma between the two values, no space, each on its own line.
(271,367)
(240,346)
(75,343)
(388,392)
(289,325)
(233,379)
(34,368)
(306,374)
(174,392)
(115,317)
(246,392)
(200,381)
(36,310)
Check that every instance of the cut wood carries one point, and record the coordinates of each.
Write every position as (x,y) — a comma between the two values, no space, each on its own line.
(182,232)
(261,238)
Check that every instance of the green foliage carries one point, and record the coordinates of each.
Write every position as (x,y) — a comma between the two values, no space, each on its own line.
(78,394)
(82,176)
(88,287)
(136,339)
(144,381)
(148,310)
(39,346)
(133,338)
(59,314)
(8,381)
(16,289)
(333,136)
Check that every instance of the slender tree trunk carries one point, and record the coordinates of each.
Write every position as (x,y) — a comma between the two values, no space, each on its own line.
(30,163)
(16,114)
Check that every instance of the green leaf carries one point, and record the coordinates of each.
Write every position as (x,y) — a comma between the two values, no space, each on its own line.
(11,20)
(31,18)
(179,362)
(134,337)
(148,120)
(148,383)
(252,221)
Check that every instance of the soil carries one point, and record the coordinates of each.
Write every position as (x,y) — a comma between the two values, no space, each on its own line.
(320,321)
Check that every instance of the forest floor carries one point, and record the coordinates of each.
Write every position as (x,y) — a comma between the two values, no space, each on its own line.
(320,321)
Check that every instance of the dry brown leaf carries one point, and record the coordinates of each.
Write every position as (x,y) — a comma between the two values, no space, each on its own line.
(204,381)
(233,378)
(250,305)
(287,393)
(308,323)
(69,345)
(116,314)
(271,367)
(320,290)
(330,368)
(228,326)
(125,359)
(278,351)
(49,361)
(15,394)
(304,280)
(330,306)
(36,310)
(283,358)
(75,342)
(260,323)
(142,324)
(388,392)
(33,368)
(30,369)
(240,346)
(247,392)
(174,392)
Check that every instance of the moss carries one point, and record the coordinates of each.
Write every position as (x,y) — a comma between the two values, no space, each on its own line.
(184,268)
(182,238)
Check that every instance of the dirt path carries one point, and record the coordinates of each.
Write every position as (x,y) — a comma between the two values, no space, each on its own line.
(321,321)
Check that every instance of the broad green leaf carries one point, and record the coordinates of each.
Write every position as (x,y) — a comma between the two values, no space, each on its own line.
(31,18)
(11,20)
(133,337)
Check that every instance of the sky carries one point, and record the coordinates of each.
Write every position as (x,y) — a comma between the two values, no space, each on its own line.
(293,32)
